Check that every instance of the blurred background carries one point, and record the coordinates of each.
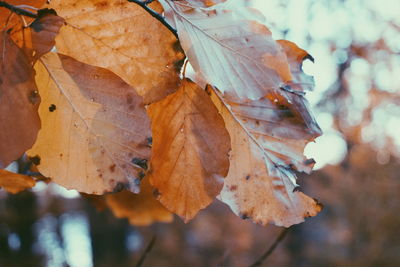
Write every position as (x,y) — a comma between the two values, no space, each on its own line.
(356,46)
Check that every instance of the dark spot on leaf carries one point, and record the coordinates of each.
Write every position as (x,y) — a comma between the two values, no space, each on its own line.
(258,122)
(34,97)
(101,4)
(142,163)
(129,99)
(112,168)
(247,177)
(244,216)
(156,193)
(246,39)
(61,155)
(35,160)
(119,187)
(296,189)
(52,107)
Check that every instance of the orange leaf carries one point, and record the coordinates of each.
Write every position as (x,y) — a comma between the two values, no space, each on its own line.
(141,209)
(190,150)
(19,101)
(123,38)
(14,182)
(95,127)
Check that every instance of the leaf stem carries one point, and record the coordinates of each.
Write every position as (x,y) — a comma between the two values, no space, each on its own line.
(17,10)
(271,249)
(155,15)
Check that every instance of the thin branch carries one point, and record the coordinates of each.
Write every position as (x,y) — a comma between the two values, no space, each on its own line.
(18,10)
(155,15)
(146,251)
(271,248)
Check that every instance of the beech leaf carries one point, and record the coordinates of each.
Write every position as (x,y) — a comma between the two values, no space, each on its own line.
(260,184)
(237,55)
(190,150)
(19,101)
(95,127)
(141,209)
(123,38)
(14,182)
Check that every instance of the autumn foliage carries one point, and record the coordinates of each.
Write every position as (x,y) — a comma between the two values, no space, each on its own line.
(95,92)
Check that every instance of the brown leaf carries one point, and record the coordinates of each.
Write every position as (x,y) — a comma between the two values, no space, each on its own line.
(14,182)
(19,101)
(39,37)
(237,55)
(260,184)
(122,37)
(141,209)
(190,150)
(95,127)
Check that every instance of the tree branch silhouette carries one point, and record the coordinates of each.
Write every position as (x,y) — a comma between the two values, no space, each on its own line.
(18,10)
(271,249)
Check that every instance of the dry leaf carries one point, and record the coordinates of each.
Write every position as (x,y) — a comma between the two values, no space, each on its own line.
(122,37)
(39,38)
(141,209)
(190,150)
(236,55)
(259,186)
(19,101)
(14,182)
(95,127)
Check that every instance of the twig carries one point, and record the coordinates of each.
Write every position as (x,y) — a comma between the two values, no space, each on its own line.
(155,15)
(271,248)
(146,251)
(18,10)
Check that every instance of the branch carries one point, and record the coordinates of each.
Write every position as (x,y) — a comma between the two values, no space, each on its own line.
(271,248)
(155,15)
(18,10)
(146,251)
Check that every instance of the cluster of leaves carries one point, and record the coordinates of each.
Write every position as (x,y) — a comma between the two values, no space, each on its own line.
(93,92)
